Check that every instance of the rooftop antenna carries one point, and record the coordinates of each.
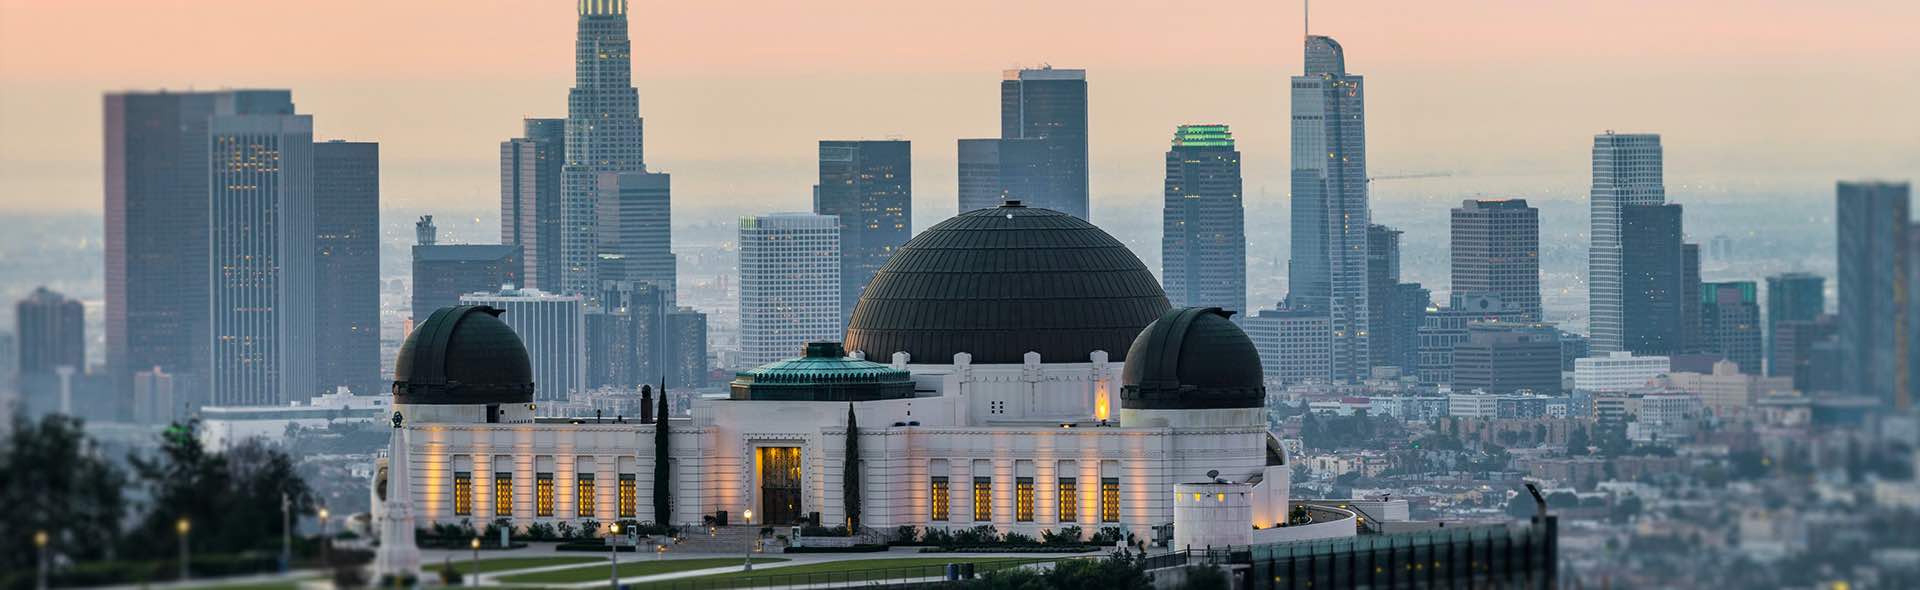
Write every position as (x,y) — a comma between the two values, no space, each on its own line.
(1306,19)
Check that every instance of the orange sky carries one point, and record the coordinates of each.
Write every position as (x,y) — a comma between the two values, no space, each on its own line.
(735,93)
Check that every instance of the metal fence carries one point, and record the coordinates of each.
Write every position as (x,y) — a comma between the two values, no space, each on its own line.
(868,577)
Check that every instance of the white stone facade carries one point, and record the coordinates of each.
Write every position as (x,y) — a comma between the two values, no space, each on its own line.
(1024,433)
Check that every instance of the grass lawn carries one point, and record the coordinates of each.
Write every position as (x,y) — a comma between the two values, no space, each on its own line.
(853,571)
(275,585)
(500,564)
(641,567)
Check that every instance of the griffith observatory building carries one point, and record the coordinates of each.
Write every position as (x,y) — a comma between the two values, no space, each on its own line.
(1014,367)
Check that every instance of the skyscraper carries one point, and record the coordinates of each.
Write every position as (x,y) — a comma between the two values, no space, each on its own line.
(530,173)
(1876,315)
(1496,249)
(156,245)
(346,193)
(1041,155)
(868,185)
(1328,272)
(1794,296)
(1508,357)
(554,329)
(1383,280)
(603,133)
(52,333)
(1628,169)
(636,231)
(1730,323)
(1653,285)
(789,284)
(444,272)
(1203,238)
(262,267)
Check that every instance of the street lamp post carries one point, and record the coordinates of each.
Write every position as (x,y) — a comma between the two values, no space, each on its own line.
(286,533)
(40,546)
(476,561)
(613,548)
(326,542)
(748,515)
(183,527)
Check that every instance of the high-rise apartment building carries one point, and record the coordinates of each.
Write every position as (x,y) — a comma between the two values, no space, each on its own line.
(1628,169)
(1794,296)
(1445,328)
(1876,306)
(1040,158)
(262,235)
(635,223)
(1653,284)
(868,185)
(1496,249)
(604,134)
(530,173)
(1293,345)
(789,284)
(1203,239)
(1328,272)
(346,193)
(1730,323)
(554,329)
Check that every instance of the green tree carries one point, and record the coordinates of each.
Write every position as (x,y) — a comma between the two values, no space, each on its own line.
(662,470)
(233,499)
(851,487)
(55,480)
(1577,442)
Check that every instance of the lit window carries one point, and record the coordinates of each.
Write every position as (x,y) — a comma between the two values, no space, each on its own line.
(543,494)
(629,495)
(1069,499)
(1023,499)
(462,493)
(583,495)
(503,494)
(983,499)
(1110,499)
(940,494)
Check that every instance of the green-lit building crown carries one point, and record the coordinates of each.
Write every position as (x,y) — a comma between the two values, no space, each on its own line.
(1203,136)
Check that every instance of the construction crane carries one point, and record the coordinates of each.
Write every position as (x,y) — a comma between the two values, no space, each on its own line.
(1410,176)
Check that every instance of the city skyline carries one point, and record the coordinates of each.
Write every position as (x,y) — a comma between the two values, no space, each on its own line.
(701,92)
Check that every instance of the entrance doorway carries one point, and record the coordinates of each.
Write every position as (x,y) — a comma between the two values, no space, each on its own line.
(779,484)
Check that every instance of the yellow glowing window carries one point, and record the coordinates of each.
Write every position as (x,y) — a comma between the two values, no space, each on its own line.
(503,494)
(983,498)
(1023,499)
(462,493)
(629,495)
(1069,499)
(583,495)
(1110,499)
(940,500)
(543,494)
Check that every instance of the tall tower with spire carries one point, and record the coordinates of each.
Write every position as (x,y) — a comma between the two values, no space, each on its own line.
(603,133)
(1328,273)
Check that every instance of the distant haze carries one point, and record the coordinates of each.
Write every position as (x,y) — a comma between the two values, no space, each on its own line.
(1759,95)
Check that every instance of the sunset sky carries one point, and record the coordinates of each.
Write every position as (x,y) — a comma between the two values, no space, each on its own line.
(1504,93)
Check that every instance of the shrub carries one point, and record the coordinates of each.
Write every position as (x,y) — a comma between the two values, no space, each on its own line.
(1019,539)
(1070,535)
(1107,535)
(825,531)
(937,537)
(905,534)
(541,531)
(980,535)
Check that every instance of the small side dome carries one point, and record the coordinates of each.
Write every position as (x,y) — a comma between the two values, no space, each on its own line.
(824,373)
(463,354)
(1192,359)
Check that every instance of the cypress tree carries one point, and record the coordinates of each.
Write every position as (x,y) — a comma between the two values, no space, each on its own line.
(851,483)
(662,497)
